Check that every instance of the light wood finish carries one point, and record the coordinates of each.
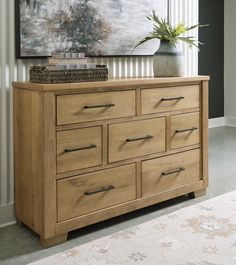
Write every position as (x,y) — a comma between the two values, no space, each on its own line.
(198,193)
(138,102)
(139,179)
(49,165)
(124,119)
(72,108)
(83,194)
(28,156)
(180,123)
(170,98)
(123,208)
(104,144)
(128,161)
(77,149)
(168,133)
(50,183)
(58,239)
(119,83)
(170,172)
(204,132)
(120,148)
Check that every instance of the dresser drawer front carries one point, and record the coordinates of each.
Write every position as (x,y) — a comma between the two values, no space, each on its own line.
(95,106)
(169,99)
(95,191)
(138,138)
(185,130)
(170,172)
(77,149)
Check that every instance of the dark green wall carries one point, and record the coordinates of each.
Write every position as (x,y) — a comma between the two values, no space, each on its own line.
(211,56)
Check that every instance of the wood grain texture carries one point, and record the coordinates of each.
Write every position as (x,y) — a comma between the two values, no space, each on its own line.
(72,108)
(204,133)
(71,193)
(28,158)
(154,179)
(55,188)
(198,193)
(73,149)
(119,148)
(49,158)
(52,241)
(168,132)
(127,161)
(139,179)
(124,119)
(161,100)
(185,122)
(104,144)
(126,207)
(123,83)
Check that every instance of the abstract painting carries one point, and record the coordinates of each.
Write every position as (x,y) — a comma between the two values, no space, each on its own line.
(96,27)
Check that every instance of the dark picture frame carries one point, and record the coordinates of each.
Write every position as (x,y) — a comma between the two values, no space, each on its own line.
(30,44)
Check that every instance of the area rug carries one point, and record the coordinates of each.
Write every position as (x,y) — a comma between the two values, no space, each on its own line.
(202,234)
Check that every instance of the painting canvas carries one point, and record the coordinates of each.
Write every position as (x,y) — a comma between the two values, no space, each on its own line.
(96,27)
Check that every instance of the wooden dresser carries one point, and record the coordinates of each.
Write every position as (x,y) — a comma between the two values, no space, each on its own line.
(90,151)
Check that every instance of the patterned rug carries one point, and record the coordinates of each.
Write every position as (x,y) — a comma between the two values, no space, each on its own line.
(203,234)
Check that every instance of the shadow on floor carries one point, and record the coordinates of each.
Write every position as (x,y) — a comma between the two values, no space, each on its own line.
(126,217)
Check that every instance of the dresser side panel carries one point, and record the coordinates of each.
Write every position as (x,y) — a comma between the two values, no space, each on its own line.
(28,158)
(204,139)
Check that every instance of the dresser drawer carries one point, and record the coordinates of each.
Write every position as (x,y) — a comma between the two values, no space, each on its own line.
(95,106)
(138,138)
(185,130)
(170,172)
(169,99)
(77,149)
(95,191)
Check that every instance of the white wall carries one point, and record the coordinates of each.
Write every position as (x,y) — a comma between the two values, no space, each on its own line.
(230,62)
(17,70)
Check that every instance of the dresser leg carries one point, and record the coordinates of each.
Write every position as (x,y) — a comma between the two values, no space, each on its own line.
(198,193)
(53,241)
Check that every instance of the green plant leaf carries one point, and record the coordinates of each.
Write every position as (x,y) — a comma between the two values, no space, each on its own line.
(163,30)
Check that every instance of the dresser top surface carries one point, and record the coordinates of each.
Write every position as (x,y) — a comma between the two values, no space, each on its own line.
(111,83)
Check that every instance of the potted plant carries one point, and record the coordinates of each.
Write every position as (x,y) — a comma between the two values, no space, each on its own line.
(168,61)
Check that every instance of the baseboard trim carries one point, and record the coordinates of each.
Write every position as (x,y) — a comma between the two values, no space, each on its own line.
(230,121)
(8,224)
(217,122)
(7,216)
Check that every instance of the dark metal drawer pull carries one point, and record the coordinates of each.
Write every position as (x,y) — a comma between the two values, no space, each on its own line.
(99,106)
(69,150)
(139,138)
(187,130)
(170,99)
(180,169)
(107,188)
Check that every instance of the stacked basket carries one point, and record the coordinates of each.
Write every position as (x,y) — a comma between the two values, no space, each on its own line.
(68,68)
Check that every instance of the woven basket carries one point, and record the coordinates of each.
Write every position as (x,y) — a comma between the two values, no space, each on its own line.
(40,74)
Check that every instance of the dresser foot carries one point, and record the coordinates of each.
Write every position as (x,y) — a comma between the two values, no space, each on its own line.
(53,241)
(198,193)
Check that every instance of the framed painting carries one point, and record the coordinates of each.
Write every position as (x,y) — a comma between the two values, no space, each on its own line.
(95,27)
